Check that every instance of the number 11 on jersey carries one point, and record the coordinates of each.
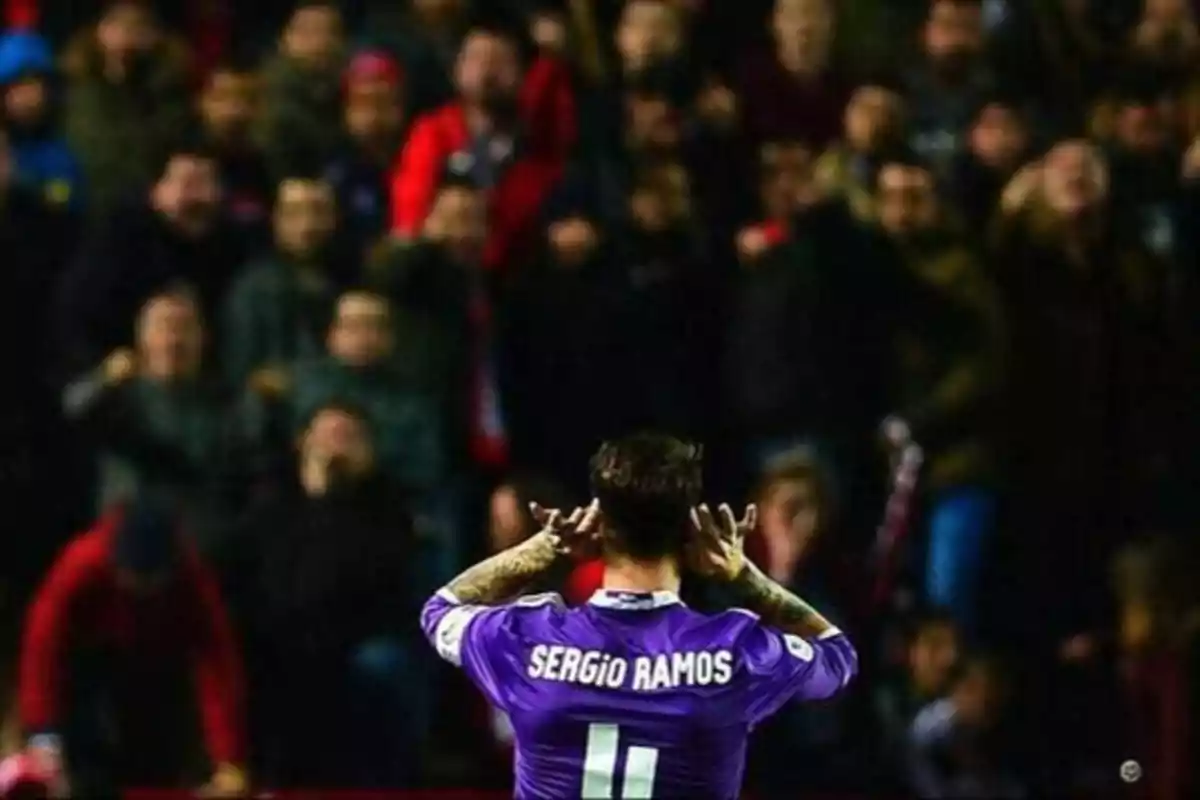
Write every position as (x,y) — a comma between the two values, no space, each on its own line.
(600,765)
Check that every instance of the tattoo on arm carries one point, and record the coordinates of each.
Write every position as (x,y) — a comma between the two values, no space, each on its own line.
(505,574)
(778,606)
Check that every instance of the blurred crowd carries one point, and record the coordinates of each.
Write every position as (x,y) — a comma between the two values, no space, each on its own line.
(319,295)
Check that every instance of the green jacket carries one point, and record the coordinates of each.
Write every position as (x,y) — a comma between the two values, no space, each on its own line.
(300,128)
(274,315)
(120,131)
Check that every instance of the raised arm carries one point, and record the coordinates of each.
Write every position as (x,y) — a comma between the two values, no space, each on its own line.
(778,606)
(717,553)
(499,578)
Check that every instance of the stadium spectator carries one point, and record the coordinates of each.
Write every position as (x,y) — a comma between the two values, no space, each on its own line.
(793,91)
(957,745)
(441,305)
(872,131)
(228,105)
(125,617)
(157,417)
(358,368)
(922,673)
(299,126)
(507,133)
(998,144)
(171,236)
(1083,302)
(323,560)
(126,101)
(948,83)
(280,306)
(950,371)
(28,80)
(373,114)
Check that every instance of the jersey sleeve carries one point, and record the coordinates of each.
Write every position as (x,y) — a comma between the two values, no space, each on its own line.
(482,640)
(780,666)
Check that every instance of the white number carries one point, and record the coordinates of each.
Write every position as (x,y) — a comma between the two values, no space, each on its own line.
(600,763)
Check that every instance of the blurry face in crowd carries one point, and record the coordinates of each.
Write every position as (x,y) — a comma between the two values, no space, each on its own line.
(305,217)
(652,124)
(170,338)
(25,102)
(1141,128)
(373,110)
(507,523)
(660,200)
(803,32)
(361,334)
(338,444)
(313,36)
(126,32)
(907,200)
(872,118)
(228,105)
(787,178)
(1074,179)
(460,217)
(488,72)
(649,31)
(953,34)
(791,511)
(188,194)
(999,139)
(932,656)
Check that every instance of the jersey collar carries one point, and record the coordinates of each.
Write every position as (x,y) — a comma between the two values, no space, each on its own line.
(633,601)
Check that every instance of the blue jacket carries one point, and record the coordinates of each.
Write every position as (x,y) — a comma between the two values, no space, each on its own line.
(42,157)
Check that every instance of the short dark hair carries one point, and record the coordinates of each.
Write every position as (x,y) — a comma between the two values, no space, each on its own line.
(343,406)
(187,147)
(647,484)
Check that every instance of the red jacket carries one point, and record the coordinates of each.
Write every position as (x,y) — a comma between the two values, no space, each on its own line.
(81,604)
(548,113)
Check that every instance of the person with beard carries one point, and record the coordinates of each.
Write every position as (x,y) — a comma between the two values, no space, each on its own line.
(872,131)
(228,104)
(373,117)
(279,308)
(172,236)
(299,124)
(948,372)
(330,613)
(998,144)
(30,115)
(126,101)
(359,366)
(508,133)
(946,86)
(126,616)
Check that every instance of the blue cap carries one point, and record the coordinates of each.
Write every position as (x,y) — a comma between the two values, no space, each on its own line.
(145,541)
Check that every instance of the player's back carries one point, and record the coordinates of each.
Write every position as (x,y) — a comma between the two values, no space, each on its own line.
(632,695)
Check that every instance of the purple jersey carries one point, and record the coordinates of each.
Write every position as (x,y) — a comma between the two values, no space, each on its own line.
(632,695)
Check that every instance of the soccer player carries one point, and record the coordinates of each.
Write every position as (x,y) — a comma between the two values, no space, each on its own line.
(634,695)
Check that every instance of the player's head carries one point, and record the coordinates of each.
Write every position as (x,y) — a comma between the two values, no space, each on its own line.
(647,484)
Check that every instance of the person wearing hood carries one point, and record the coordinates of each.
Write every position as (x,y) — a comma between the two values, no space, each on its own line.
(44,161)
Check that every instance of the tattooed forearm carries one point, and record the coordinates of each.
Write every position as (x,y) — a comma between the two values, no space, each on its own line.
(778,606)
(505,574)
